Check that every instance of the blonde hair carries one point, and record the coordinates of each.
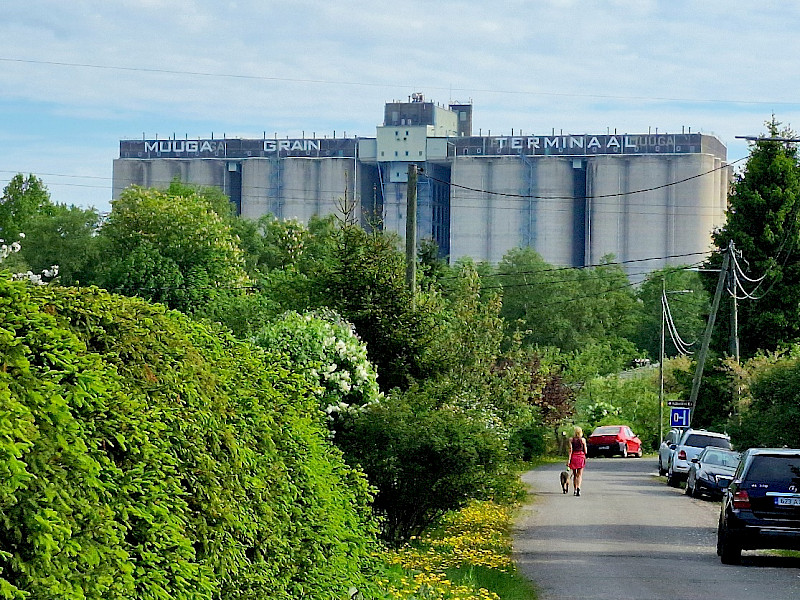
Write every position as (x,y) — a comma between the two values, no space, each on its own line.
(578,431)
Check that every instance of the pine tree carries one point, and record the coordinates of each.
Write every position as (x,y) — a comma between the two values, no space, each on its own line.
(762,221)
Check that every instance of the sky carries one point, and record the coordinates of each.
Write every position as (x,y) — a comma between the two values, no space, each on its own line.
(77,77)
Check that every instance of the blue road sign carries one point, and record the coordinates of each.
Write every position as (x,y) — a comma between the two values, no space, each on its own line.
(679,417)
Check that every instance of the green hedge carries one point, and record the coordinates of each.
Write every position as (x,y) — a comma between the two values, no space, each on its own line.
(144,455)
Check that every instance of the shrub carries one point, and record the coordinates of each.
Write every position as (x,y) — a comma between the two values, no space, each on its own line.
(424,463)
(769,410)
(143,455)
(327,350)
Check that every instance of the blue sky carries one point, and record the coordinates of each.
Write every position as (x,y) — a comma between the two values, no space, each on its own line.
(79,76)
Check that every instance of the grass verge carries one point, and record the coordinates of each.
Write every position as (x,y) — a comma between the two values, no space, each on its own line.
(467,557)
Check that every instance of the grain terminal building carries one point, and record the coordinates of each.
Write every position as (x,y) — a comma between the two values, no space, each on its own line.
(573,198)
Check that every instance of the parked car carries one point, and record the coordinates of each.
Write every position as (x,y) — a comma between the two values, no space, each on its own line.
(666,448)
(761,508)
(711,472)
(690,445)
(609,440)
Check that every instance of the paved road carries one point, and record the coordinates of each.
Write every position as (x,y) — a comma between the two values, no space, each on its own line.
(630,536)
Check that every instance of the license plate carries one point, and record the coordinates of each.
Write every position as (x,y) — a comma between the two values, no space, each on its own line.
(783,501)
(602,447)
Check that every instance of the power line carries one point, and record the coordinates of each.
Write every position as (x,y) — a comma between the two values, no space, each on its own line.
(598,196)
(392,85)
(607,209)
(591,266)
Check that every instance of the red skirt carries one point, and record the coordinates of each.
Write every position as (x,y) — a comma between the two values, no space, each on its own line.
(578,460)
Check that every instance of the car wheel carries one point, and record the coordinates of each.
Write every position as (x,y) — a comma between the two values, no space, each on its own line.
(672,480)
(625,451)
(729,552)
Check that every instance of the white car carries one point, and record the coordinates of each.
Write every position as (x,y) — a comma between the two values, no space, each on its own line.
(689,446)
(667,446)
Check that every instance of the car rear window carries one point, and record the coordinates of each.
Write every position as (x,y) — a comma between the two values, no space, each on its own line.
(698,440)
(722,459)
(606,431)
(774,468)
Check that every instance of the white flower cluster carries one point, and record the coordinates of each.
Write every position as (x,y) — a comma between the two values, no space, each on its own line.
(343,408)
(7,250)
(478,412)
(36,278)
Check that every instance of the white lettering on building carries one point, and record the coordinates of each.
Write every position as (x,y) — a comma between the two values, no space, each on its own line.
(291,145)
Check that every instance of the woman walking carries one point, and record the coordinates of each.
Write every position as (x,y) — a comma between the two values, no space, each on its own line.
(577,458)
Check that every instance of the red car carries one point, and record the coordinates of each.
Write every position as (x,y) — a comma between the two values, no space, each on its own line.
(609,440)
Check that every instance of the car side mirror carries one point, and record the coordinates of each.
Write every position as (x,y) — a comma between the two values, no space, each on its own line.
(673,446)
(695,460)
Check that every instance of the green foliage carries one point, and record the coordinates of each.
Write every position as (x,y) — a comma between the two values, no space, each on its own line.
(219,202)
(616,401)
(763,222)
(768,402)
(23,198)
(424,462)
(328,351)
(689,310)
(144,455)
(565,308)
(364,281)
(64,236)
(173,249)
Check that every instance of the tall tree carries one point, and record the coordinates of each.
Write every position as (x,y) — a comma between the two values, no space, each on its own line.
(23,198)
(763,224)
(65,236)
(563,307)
(174,249)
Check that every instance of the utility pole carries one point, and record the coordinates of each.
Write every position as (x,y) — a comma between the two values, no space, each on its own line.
(662,356)
(661,362)
(411,229)
(734,341)
(701,358)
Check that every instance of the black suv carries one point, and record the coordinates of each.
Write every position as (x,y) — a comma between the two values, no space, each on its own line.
(761,508)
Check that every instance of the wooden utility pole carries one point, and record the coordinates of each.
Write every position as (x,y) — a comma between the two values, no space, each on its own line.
(701,358)
(411,229)
(661,362)
(734,341)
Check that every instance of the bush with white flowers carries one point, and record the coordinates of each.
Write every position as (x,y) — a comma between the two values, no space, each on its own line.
(326,348)
(7,249)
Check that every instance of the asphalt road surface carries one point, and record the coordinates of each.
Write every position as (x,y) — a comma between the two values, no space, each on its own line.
(630,536)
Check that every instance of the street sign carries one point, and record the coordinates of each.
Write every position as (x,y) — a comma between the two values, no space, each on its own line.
(680,403)
(679,417)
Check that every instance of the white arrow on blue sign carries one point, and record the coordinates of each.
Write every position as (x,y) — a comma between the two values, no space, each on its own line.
(679,417)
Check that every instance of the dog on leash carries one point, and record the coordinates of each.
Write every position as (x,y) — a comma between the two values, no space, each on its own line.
(565,481)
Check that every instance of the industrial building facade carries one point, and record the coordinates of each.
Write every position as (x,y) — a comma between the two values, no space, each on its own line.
(649,200)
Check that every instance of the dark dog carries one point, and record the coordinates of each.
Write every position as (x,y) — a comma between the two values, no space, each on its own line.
(565,481)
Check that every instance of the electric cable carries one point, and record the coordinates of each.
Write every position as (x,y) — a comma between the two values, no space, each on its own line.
(587,197)
(393,85)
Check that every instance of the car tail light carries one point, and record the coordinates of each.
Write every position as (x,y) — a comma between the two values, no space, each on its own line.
(741,499)
(682,455)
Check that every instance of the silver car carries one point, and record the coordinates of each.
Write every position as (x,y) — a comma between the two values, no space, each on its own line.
(688,447)
(667,446)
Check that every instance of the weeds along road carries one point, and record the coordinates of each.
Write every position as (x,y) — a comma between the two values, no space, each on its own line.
(630,536)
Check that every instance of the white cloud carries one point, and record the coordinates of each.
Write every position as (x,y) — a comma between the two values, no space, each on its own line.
(286,67)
